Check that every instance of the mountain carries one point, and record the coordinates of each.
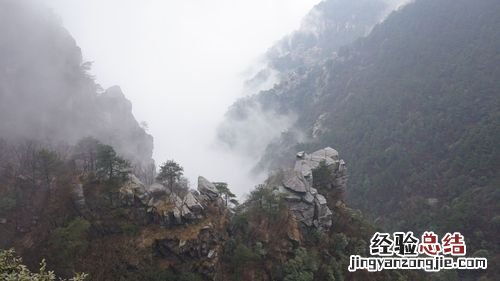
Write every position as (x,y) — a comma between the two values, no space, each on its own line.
(250,126)
(413,107)
(68,197)
(47,93)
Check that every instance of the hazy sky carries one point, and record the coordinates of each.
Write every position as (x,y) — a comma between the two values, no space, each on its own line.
(181,63)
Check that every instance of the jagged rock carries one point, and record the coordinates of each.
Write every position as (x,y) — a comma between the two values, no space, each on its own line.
(193,204)
(163,206)
(158,188)
(205,187)
(133,189)
(303,212)
(308,198)
(186,213)
(321,199)
(306,163)
(289,196)
(79,197)
(303,167)
(177,215)
(211,254)
(326,153)
(308,206)
(295,181)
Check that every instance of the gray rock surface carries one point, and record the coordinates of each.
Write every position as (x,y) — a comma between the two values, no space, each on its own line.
(193,204)
(205,187)
(162,204)
(295,181)
(308,206)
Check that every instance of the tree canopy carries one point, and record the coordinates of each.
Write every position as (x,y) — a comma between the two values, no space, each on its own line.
(170,173)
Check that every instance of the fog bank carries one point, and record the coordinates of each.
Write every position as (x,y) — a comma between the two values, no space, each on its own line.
(181,64)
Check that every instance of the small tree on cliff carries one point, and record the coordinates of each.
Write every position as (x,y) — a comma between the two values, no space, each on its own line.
(48,162)
(109,164)
(170,173)
(224,191)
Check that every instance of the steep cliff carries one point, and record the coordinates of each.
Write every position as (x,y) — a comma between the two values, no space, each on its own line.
(47,93)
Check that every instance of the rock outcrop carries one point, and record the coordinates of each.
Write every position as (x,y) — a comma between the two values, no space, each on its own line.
(166,206)
(307,205)
(206,188)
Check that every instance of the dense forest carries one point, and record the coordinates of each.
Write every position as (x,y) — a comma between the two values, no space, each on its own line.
(413,107)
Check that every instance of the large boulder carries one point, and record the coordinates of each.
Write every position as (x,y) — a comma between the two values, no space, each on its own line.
(295,181)
(207,188)
(192,203)
(133,190)
(164,206)
(307,205)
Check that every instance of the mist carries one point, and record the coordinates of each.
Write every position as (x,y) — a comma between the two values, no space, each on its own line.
(181,64)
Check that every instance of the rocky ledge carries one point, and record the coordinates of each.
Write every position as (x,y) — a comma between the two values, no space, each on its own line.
(168,206)
(297,186)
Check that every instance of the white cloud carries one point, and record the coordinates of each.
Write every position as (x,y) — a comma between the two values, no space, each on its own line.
(180,62)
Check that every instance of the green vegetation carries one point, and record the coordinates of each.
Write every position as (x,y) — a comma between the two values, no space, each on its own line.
(100,160)
(109,165)
(12,269)
(226,193)
(170,173)
(69,242)
(413,109)
(302,267)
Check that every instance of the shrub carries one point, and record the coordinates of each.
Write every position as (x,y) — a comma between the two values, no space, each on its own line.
(11,268)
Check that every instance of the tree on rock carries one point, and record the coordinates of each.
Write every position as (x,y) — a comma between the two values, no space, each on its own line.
(110,165)
(225,193)
(170,173)
(48,162)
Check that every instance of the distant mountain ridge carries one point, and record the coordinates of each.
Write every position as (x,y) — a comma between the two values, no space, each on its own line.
(253,122)
(413,107)
(47,93)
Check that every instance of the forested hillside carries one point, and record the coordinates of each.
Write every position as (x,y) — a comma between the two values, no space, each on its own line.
(414,107)
(252,123)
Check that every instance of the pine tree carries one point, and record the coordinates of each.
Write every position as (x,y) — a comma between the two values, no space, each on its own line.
(170,173)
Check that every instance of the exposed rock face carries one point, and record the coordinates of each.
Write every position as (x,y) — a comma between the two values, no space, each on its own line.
(156,202)
(203,249)
(62,102)
(163,205)
(308,206)
(205,187)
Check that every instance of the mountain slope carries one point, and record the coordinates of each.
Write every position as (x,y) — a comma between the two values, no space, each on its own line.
(250,124)
(413,107)
(47,93)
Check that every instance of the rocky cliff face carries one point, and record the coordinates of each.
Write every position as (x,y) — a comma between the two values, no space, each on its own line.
(47,93)
(183,230)
(297,185)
